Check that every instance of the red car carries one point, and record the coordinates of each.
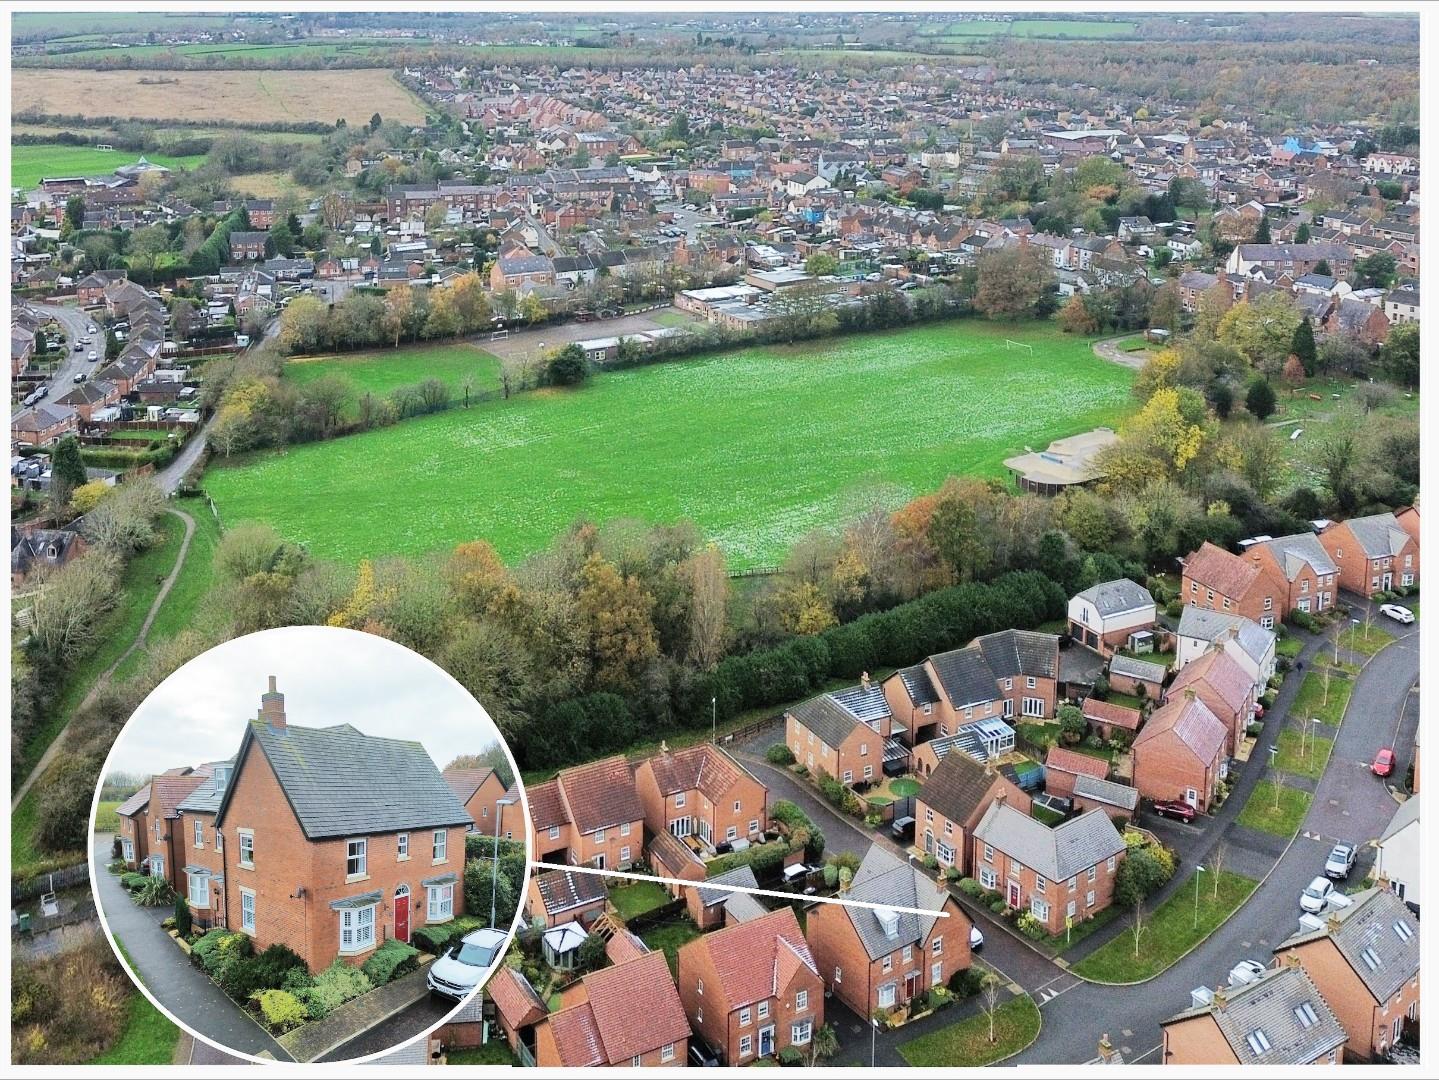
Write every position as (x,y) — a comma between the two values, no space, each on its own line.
(1177,809)
(1383,762)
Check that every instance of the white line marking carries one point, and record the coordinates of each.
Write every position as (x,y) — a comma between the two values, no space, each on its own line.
(1141,1057)
(740,889)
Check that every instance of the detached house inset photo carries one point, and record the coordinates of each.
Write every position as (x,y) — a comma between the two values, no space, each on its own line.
(322,850)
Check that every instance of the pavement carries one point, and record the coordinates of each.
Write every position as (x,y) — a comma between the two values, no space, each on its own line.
(419,1016)
(371,1023)
(186,992)
(1350,804)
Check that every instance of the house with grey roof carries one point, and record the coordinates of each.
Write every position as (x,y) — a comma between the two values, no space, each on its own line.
(910,936)
(848,734)
(331,841)
(1365,961)
(1308,569)
(1397,854)
(1105,616)
(1278,1019)
(1250,645)
(1130,675)
(1060,875)
(1374,554)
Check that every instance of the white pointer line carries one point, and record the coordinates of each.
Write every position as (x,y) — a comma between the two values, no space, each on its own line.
(741,889)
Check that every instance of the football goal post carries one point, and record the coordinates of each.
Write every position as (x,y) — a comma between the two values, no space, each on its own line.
(1011,345)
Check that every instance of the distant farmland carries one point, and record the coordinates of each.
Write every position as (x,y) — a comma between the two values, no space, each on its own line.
(757,446)
(255,97)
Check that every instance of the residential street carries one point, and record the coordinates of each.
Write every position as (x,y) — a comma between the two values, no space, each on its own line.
(1350,804)
(168,974)
(75,322)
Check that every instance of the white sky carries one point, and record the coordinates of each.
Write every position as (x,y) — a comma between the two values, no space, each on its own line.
(328,676)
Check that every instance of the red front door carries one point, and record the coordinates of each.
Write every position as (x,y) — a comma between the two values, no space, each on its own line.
(402,918)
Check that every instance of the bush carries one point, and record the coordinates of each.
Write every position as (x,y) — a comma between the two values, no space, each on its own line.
(133,881)
(246,977)
(967,983)
(1305,620)
(155,892)
(997,906)
(183,921)
(219,949)
(779,754)
(391,960)
(790,1057)
(1030,926)
(1101,687)
(337,984)
(1174,609)
(282,1011)
(951,873)
(116,866)
(432,939)
(970,887)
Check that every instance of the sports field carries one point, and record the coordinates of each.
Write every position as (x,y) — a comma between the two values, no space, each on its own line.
(31,164)
(757,446)
(382,371)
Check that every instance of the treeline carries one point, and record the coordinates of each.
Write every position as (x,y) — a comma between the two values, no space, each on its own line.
(80,120)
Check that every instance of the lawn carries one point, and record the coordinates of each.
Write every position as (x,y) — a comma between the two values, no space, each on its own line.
(1289,647)
(380,372)
(30,164)
(669,936)
(106,820)
(1364,641)
(1308,760)
(494,1052)
(1169,931)
(1259,812)
(966,1044)
(1313,700)
(1129,701)
(148,1037)
(757,446)
(638,898)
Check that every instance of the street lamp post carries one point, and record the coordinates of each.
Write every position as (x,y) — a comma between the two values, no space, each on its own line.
(1197,871)
(1273,751)
(495,863)
(714,721)
(873,1032)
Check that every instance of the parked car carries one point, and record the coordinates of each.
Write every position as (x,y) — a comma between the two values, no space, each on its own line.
(1383,762)
(93,356)
(1397,612)
(1245,972)
(976,938)
(79,345)
(466,963)
(902,828)
(1340,862)
(1177,809)
(1314,898)
(701,1056)
(80,376)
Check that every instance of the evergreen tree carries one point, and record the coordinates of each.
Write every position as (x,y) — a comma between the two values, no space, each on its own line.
(1261,234)
(67,470)
(1322,267)
(1302,234)
(1260,400)
(1303,345)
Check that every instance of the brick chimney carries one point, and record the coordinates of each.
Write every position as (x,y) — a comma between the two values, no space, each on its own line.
(864,679)
(272,706)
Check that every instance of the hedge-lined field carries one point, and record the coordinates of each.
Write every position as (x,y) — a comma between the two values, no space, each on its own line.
(31,164)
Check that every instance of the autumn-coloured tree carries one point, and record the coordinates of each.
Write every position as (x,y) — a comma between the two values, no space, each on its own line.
(1075,318)
(704,573)
(1014,283)
(617,613)
(1293,370)
(803,609)
(478,576)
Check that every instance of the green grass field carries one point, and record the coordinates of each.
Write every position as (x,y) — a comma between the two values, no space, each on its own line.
(31,164)
(106,820)
(1259,812)
(638,898)
(757,446)
(966,1044)
(971,29)
(1312,699)
(380,372)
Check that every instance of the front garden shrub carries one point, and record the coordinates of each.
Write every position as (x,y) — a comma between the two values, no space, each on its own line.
(790,1057)
(391,960)
(970,887)
(967,983)
(266,971)
(1305,621)
(133,881)
(337,984)
(297,980)
(997,906)
(183,921)
(282,1011)
(155,892)
(116,866)
(779,754)
(1030,926)
(432,939)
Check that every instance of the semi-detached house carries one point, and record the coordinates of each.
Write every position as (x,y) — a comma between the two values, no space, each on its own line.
(1248,585)
(1373,554)
(628,1015)
(589,815)
(700,792)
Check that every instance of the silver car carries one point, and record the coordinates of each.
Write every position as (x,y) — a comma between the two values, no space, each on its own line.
(1340,862)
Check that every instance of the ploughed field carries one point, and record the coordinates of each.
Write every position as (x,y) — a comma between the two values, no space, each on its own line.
(756,445)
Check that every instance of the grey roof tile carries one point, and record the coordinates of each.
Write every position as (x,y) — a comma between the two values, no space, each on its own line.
(1058,853)
(884,879)
(1279,1019)
(1113,597)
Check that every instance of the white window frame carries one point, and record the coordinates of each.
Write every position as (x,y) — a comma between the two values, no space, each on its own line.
(248,862)
(667,1052)
(248,894)
(800,1032)
(440,902)
(199,833)
(625,854)
(680,799)
(801,1000)
(746,1045)
(988,878)
(402,846)
(744,1018)
(886,995)
(355,922)
(625,828)
(554,832)
(762,1010)
(198,898)
(440,846)
(357,854)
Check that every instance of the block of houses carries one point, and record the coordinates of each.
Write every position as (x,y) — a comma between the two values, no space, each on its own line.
(336,841)
(1141,678)
(199,856)
(1109,719)
(43,424)
(1104,616)
(846,733)
(628,1015)
(1062,766)
(1365,961)
(1247,643)
(1396,858)
(1247,585)
(518,1009)
(589,815)
(1302,563)
(134,832)
(247,246)
(701,792)
(1278,1019)
(555,897)
(877,957)
(951,803)
(479,792)
(752,989)
(1180,753)
(1373,554)
(1056,874)
(1222,685)
(158,819)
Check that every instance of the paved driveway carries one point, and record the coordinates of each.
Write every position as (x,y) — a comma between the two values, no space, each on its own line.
(167,973)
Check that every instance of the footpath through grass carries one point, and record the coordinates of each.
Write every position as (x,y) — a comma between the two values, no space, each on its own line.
(757,446)
(1279,815)
(966,1044)
(1169,931)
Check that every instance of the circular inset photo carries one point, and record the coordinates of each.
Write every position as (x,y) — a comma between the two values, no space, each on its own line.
(321,851)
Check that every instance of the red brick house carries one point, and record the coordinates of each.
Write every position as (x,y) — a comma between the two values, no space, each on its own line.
(1365,961)
(752,989)
(1375,553)
(1224,687)
(1301,561)
(1066,872)
(335,841)
(845,734)
(589,815)
(1142,678)
(877,957)
(1180,753)
(1062,766)
(154,819)
(479,792)
(134,833)
(701,792)
(954,798)
(43,424)
(627,1015)
(199,853)
(554,897)
(1246,585)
